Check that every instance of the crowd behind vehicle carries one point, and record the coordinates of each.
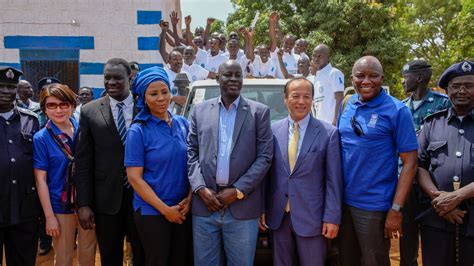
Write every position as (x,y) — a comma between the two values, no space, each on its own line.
(306,163)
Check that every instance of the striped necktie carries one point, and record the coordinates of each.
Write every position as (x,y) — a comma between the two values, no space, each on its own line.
(122,130)
(292,154)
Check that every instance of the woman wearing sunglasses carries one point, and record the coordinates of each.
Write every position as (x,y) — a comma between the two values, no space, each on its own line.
(156,161)
(53,166)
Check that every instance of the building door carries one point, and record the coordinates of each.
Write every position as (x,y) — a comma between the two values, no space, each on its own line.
(60,64)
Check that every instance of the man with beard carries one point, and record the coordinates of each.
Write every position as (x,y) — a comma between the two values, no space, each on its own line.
(422,102)
(374,128)
(104,196)
(230,148)
(19,205)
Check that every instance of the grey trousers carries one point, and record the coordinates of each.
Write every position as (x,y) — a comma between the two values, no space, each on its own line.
(361,239)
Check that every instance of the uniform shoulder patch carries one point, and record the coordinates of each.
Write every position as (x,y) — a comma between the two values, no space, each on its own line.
(27,112)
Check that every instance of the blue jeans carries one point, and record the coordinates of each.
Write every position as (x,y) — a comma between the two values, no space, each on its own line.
(220,237)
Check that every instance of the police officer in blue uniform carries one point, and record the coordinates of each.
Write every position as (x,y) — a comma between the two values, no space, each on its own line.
(19,205)
(446,174)
(422,102)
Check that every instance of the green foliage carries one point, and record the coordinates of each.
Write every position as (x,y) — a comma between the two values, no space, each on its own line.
(395,31)
(438,31)
(351,29)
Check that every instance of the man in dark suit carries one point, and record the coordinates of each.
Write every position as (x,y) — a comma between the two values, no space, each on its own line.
(230,150)
(104,196)
(304,192)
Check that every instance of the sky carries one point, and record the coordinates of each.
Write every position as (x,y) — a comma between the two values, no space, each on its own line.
(200,10)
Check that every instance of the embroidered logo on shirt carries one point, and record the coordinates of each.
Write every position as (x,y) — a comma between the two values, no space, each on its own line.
(340,80)
(373,120)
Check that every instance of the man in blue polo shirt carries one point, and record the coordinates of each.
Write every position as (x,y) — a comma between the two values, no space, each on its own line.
(375,128)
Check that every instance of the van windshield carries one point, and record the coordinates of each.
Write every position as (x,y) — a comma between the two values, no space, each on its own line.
(270,95)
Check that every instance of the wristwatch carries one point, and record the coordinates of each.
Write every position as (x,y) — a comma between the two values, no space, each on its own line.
(240,195)
(396,207)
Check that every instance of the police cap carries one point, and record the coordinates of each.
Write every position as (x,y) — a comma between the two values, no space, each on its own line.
(9,75)
(462,68)
(46,81)
(415,65)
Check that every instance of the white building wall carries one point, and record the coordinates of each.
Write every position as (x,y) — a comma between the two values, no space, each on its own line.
(112,24)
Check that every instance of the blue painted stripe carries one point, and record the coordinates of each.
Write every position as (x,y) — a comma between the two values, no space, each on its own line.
(145,66)
(97,92)
(148,17)
(148,43)
(15,65)
(49,55)
(70,42)
(91,68)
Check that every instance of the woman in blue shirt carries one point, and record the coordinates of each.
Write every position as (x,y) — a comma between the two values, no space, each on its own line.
(53,163)
(156,161)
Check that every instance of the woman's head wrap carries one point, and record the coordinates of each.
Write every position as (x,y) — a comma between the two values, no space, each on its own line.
(140,85)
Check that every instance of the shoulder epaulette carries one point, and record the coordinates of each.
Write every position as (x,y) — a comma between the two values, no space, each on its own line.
(439,94)
(27,112)
(435,114)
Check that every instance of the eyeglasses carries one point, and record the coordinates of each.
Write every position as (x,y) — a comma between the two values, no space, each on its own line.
(457,87)
(53,106)
(356,127)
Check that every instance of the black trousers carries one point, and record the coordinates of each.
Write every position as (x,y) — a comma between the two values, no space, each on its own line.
(438,248)
(410,240)
(111,231)
(361,238)
(165,243)
(21,242)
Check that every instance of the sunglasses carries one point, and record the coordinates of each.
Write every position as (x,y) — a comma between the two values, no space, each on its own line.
(53,106)
(356,127)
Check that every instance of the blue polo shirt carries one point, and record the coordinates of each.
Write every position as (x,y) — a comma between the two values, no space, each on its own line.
(49,157)
(162,152)
(370,160)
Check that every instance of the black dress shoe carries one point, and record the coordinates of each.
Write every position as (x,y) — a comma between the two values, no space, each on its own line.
(44,251)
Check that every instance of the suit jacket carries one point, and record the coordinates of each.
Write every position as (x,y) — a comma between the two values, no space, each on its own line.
(99,169)
(250,158)
(315,185)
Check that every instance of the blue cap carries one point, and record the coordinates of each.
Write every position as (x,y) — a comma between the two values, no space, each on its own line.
(46,81)
(462,68)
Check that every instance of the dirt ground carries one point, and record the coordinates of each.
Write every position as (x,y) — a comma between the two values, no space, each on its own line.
(48,260)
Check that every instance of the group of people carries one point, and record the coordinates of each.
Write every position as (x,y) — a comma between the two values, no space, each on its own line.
(199,55)
(198,190)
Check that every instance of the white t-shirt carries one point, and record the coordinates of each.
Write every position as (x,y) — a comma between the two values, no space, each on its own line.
(201,57)
(259,69)
(244,62)
(240,54)
(290,61)
(213,62)
(326,82)
(196,72)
